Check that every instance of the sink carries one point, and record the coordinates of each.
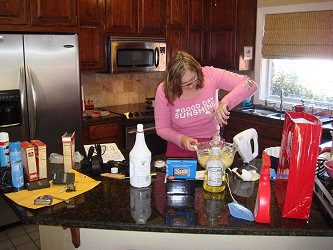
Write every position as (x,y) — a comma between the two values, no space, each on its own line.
(277,115)
(262,111)
(259,112)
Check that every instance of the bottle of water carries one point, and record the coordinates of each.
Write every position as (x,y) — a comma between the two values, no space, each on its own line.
(16,164)
(140,158)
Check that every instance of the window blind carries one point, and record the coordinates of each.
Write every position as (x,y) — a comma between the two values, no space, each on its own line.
(299,34)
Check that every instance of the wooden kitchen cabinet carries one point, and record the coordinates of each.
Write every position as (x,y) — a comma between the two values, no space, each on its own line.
(91,35)
(121,16)
(245,33)
(231,26)
(151,17)
(185,28)
(14,12)
(196,30)
(221,29)
(102,132)
(177,13)
(38,15)
(214,31)
(135,17)
(269,130)
(54,12)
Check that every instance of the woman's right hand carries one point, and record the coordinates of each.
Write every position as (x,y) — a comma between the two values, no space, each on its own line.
(188,143)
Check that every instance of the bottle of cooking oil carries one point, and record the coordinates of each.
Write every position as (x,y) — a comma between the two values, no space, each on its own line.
(214,178)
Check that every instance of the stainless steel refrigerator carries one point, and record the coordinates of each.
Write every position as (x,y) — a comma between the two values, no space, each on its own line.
(40,96)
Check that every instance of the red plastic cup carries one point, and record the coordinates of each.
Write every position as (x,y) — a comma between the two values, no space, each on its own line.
(299,108)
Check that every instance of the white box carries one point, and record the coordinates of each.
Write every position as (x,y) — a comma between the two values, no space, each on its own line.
(68,148)
(29,161)
(41,159)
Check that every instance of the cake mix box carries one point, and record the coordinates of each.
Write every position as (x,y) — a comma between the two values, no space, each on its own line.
(41,159)
(68,147)
(29,161)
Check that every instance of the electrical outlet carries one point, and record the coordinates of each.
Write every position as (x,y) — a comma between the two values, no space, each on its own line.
(248,52)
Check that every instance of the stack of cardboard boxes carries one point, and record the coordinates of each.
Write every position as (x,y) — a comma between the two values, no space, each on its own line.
(34,160)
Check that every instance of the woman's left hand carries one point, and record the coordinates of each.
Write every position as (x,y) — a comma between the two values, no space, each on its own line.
(189,143)
(222,114)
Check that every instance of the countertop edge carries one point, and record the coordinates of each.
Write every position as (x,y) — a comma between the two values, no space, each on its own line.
(190,230)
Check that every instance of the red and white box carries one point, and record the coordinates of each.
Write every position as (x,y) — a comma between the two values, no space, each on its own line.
(41,159)
(29,161)
(68,148)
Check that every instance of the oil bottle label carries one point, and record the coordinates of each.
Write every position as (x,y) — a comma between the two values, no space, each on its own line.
(214,177)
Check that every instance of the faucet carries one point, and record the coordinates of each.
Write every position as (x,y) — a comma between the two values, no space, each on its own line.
(281,100)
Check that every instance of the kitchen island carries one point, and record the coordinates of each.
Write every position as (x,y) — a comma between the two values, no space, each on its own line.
(115,215)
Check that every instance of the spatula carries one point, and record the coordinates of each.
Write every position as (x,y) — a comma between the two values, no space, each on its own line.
(237,210)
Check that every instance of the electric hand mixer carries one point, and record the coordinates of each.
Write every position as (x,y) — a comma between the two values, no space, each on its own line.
(243,142)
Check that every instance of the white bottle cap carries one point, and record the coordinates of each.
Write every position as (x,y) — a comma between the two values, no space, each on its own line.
(159,164)
(4,137)
(139,128)
(114,170)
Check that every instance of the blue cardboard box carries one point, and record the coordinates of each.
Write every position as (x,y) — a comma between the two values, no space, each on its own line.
(181,168)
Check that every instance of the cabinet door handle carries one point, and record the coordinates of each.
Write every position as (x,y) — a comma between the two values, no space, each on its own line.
(34,98)
(23,102)
(157,57)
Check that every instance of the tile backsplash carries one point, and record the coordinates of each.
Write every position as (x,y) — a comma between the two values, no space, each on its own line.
(118,89)
(127,88)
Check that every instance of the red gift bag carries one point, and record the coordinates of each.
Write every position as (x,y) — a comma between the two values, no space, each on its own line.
(297,164)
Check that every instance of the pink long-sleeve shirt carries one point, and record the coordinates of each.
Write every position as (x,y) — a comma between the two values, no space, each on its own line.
(192,117)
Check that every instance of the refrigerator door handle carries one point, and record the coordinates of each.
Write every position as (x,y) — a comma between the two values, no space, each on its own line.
(34,99)
(22,89)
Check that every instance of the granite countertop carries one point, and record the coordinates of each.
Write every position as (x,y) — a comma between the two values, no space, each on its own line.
(115,205)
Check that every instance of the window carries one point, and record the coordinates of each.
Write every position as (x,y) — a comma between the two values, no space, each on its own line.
(302,79)
(305,78)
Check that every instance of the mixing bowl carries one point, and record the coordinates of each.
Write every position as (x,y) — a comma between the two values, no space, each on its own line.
(228,151)
(329,168)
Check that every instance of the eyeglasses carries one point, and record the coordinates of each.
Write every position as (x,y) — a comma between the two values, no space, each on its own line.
(190,82)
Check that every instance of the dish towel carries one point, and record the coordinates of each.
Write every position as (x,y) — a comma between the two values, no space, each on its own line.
(26,198)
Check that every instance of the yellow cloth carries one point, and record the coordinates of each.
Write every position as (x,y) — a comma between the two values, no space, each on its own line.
(26,198)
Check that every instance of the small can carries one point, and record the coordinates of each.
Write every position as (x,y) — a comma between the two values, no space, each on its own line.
(4,149)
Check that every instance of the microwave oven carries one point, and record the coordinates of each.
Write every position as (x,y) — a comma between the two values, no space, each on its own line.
(136,54)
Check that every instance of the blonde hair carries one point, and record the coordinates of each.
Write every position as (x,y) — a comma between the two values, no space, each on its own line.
(177,67)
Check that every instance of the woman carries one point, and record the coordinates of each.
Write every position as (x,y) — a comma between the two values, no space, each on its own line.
(187,110)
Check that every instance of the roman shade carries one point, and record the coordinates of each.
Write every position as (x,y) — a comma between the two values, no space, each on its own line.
(299,34)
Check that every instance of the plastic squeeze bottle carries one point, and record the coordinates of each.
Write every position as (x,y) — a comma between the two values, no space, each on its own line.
(140,158)
(214,178)
(16,164)
(263,202)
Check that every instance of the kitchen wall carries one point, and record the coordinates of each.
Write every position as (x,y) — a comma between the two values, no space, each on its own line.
(118,89)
